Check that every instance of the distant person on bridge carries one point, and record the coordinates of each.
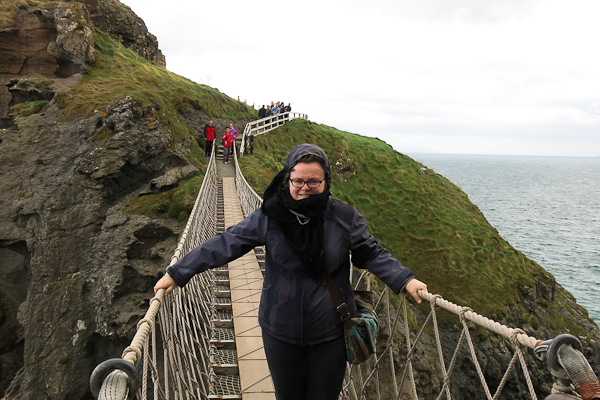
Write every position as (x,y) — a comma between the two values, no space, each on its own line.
(234,133)
(281,111)
(262,112)
(227,145)
(274,112)
(306,232)
(209,135)
(250,145)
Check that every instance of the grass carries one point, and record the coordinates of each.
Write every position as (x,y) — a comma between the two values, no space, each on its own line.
(8,9)
(40,82)
(30,107)
(176,203)
(422,218)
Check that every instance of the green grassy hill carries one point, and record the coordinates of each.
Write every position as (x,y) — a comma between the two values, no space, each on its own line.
(425,220)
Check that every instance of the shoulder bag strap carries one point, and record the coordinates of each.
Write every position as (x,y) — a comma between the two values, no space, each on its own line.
(341,307)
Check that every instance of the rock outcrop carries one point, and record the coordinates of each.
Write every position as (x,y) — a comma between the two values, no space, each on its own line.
(49,42)
(58,42)
(115,18)
(53,42)
(77,270)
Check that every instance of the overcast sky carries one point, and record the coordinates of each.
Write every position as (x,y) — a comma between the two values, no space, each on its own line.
(519,77)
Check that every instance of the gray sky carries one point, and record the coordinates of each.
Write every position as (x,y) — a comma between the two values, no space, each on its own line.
(517,77)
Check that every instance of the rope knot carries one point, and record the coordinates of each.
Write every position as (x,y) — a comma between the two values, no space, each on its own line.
(436,297)
(464,310)
(147,321)
(131,349)
(159,299)
(514,337)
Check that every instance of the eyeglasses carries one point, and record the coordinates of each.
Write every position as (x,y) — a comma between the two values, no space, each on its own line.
(313,183)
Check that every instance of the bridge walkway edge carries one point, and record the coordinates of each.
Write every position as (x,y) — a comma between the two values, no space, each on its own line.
(246,280)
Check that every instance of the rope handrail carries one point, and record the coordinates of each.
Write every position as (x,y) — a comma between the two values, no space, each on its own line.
(485,322)
(249,199)
(132,352)
(200,226)
(182,371)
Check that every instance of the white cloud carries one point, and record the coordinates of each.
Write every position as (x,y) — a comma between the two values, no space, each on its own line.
(465,76)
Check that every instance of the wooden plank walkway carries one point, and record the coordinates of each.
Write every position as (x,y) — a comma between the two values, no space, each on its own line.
(246,281)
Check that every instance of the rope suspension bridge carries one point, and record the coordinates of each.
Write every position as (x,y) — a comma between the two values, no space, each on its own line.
(203,341)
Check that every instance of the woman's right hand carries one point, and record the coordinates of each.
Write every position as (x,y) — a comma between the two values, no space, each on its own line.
(167,283)
(413,286)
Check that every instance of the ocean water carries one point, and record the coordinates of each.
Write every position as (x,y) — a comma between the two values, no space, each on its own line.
(546,207)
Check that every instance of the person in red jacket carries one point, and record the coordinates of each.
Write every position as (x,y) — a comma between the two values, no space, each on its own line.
(209,135)
(227,145)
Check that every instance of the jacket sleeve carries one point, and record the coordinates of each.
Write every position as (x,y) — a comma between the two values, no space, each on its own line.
(368,253)
(222,248)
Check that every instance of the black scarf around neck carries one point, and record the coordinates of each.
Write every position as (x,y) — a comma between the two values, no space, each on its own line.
(301,222)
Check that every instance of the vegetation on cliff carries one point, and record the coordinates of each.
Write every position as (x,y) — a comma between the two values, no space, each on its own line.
(8,8)
(118,71)
(176,203)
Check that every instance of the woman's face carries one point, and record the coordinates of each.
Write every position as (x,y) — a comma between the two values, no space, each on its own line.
(307,172)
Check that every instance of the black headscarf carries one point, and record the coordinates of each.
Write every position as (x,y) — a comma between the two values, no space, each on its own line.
(301,220)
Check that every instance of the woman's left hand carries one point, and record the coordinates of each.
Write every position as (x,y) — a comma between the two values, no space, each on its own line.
(167,283)
(414,286)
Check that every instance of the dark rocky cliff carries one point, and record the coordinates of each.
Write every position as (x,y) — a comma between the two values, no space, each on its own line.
(77,270)
(115,18)
(57,42)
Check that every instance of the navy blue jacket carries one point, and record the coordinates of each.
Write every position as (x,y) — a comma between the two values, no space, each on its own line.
(294,307)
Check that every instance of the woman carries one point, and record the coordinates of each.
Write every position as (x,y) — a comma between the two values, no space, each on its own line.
(234,134)
(227,145)
(233,131)
(305,230)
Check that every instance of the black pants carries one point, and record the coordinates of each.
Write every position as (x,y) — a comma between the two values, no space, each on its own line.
(208,148)
(226,154)
(306,373)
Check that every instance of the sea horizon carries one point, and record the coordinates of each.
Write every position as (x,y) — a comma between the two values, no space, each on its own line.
(547,207)
(497,155)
